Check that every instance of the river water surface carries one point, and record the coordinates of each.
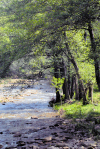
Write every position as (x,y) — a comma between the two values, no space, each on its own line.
(25,113)
(33,101)
(27,122)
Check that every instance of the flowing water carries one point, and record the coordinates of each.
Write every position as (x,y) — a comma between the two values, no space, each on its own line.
(32,104)
(27,122)
(27,109)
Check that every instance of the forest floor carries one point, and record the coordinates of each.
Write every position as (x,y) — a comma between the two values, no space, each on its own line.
(26,121)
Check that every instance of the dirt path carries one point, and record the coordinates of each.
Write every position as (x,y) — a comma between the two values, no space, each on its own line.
(26,121)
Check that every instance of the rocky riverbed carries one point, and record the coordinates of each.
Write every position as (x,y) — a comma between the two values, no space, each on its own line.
(26,121)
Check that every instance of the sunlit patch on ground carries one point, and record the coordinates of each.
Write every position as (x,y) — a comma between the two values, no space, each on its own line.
(49,115)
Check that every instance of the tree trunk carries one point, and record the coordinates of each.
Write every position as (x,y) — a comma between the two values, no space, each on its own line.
(8,59)
(76,89)
(97,72)
(83,92)
(69,82)
(91,92)
(71,58)
(65,90)
(96,60)
(4,73)
(56,74)
(80,91)
(72,87)
(57,95)
(65,85)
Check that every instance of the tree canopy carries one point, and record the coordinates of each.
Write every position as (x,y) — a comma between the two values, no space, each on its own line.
(62,36)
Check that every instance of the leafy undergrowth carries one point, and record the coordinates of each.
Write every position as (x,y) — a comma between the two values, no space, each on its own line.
(75,109)
(96,97)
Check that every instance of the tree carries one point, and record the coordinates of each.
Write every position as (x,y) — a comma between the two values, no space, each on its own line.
(85,14)
(57,27)
(14,40)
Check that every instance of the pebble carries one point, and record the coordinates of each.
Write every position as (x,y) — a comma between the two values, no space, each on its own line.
(1,146)
(17,134)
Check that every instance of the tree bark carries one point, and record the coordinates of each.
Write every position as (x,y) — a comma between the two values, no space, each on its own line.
(8,59)
(65,85)
(65,90)
(80,91)
(69,82)
(71,58)
(96,60)
(72,87)
(56,74)
(57,95)
(91,92)
(6,68)
(76,89)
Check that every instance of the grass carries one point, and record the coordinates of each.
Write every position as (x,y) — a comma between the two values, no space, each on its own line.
(96,97)
(75,109)
(72,109)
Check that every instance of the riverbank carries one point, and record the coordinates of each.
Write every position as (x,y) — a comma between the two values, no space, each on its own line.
(28,123)
(48,133)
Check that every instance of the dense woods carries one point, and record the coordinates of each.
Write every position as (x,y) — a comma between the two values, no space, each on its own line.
(60,38)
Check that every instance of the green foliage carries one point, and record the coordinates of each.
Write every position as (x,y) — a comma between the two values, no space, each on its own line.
(77,110)
(57,82)
(87,72)
(96,97)
(38,27)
